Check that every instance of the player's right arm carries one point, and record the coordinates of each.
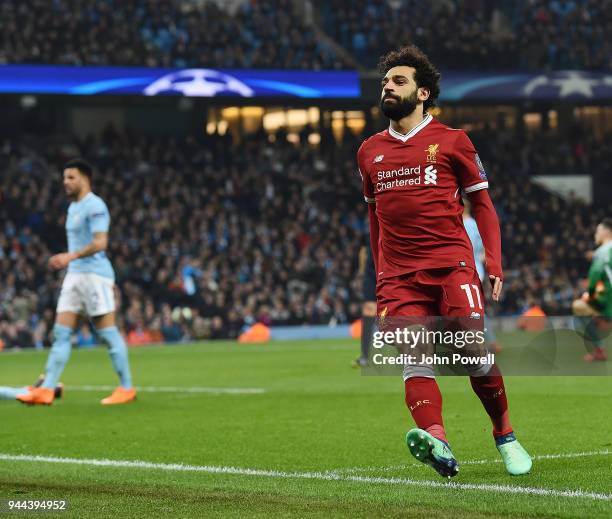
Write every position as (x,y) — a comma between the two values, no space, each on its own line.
(98,243)
(368,194)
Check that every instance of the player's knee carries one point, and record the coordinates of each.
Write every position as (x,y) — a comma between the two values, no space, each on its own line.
(581,308)
(416,370)
(409,338)
(578,307)
(478,370)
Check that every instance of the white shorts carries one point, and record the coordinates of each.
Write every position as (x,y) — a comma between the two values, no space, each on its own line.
(87,293)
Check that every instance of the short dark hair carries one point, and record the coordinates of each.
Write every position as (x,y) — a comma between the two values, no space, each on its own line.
(425,76)
(82,165)
(607,223)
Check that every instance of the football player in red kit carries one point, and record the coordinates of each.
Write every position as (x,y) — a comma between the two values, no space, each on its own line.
(413,175)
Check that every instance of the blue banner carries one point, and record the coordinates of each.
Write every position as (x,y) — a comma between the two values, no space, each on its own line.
(514,86)
(193,82)
(202,82)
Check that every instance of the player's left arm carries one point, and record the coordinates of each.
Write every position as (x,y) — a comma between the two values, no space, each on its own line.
(98,243)
(98,219)
(488,227)
(473,180)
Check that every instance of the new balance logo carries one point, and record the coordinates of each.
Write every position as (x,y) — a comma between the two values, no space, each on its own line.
(378,158)
(431,175)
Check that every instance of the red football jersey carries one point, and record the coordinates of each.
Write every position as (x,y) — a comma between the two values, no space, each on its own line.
(416,182)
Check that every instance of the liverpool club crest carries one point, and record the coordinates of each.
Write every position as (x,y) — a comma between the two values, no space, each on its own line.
(432,152)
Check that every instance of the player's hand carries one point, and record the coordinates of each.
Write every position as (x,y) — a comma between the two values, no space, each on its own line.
(60,261)
(496,285)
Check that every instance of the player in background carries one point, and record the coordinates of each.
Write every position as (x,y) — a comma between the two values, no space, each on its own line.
(593,310)
(368,307)
(88,288)
(479,256)
(412,175)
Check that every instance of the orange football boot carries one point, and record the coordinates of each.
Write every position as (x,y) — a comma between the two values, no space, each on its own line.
(59,389)
(121,395)
(38,396)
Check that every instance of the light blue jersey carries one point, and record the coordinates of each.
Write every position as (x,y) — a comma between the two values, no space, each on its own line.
(472,229)
(85,218)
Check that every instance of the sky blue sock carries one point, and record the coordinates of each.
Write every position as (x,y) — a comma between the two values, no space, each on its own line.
(118,353)
(11,393)
(58,356)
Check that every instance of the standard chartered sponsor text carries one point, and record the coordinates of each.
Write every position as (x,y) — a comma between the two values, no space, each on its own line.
(405,171)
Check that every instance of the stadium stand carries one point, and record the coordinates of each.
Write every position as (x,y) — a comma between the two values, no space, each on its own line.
(206,239)
(474,34)
(169,33)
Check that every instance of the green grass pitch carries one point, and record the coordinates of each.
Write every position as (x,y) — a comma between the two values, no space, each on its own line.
(322,440)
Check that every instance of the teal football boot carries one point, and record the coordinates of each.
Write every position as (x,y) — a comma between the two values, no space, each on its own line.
(433,452)
(515,457)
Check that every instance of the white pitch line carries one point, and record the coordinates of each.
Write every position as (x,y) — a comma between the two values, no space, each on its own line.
(318,476)
(537,457)
(605,452)
(178,389)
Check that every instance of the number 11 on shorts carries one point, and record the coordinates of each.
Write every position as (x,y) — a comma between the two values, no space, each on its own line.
(467,288)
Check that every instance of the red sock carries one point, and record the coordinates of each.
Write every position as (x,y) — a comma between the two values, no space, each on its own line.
(492,393)
(424,401)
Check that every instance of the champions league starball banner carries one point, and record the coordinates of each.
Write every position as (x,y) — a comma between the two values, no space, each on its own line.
(561,85)
(191,82)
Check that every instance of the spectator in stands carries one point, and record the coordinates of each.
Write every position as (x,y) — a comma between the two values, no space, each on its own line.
(533,34)
(169,33)
(170,329)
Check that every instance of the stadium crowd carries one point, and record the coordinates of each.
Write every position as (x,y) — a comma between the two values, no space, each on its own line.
(530,34)
(166,33)
(546,240)
(482,34)
(206,240)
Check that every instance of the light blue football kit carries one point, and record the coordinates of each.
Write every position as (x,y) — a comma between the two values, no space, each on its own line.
(88,288)
(11,393)
(85,218)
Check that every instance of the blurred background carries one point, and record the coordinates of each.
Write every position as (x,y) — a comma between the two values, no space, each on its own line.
(224,135)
